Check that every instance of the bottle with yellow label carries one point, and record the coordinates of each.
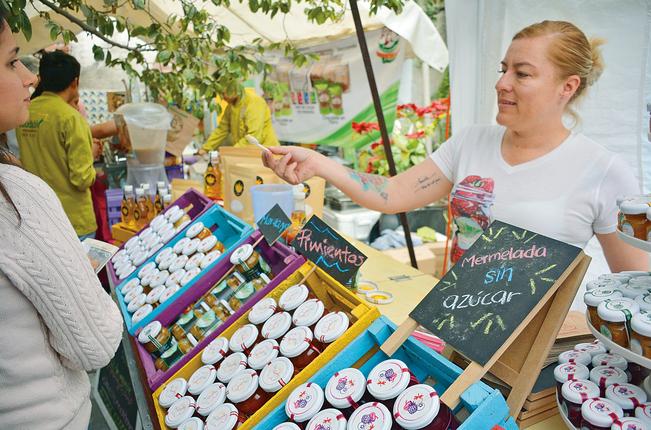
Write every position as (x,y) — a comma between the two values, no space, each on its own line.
(140,209)
(212,179)
(126,208)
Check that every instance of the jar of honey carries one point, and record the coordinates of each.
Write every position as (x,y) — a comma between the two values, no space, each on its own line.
(230,366)
(276,375)
(297,345)
(205,325)
(183,325)
(594,298)
(211,398)
(244,338)
(276,326)
(215,352)
(174,390)
(574,394)
(304,402)
(330,419)
(635,220)
(224,417)
(309,313)
(210,244)
(209,259)
(245,393)
(616,315)
(419,407)
(263,353)
(345,390)
(600,414)
(198,230)
(201,379)
(155,338)
(247,262)
(641,334)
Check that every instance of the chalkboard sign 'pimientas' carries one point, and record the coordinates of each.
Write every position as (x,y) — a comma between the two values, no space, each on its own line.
(490,291)
(327,249)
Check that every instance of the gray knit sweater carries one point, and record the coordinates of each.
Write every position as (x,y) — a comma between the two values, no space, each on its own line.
(56,321)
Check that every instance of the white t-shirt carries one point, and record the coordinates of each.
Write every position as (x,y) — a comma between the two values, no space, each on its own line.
(567,194)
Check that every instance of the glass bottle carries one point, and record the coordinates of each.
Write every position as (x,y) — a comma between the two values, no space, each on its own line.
(149,202)
(158,200)
(126,208)
(298,214)
(140,209)
(212,179)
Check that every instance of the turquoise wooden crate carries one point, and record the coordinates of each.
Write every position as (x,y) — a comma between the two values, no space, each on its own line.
(481,406)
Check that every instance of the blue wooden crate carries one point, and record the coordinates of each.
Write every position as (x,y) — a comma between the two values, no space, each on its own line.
(231,232)
(484,407)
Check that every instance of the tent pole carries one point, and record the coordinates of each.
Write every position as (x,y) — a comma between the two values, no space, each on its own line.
(361,38)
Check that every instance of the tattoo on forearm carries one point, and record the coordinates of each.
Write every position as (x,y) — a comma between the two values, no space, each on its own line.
(425,182)
(374,183)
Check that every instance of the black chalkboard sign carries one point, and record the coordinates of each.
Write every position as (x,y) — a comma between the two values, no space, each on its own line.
(490,291)
(327,249)
(116,392)
(273,224)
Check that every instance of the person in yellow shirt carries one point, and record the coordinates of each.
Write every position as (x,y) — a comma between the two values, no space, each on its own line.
(246,113)
(56,143)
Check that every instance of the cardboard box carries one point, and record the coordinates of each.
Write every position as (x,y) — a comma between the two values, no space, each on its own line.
(429,257)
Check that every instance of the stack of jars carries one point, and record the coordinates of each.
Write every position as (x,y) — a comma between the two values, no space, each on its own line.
(597,390)
(207,313)
(391,397)
(635,216)
(145,244)
(259,359)
(619,306)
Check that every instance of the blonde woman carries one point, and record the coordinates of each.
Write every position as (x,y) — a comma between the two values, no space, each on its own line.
(529,170)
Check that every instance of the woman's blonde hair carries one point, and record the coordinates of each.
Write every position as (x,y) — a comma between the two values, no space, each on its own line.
(571,52)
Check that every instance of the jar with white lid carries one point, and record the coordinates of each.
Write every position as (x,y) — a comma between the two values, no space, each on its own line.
(225,417)
(180,411)
(331,419)
(623,278)
(174,390)
(158,222)
(230,366)
(632,290)
(183,325)
(154,249)
(419,407)
(610,360)
(304,402)
(189,276)
(388,379)
(138,302)
(201,379)
(605,376)
(593,348)
(194,262)
(276,326)
(210,244)
(193,423)
(170,356)
(568,372)
(244,338)
(146,280)
(309,313)
(574,393)
(629,423)
(215,352)
(634,223)
(641,281)
(345,390)
(371,416)
(129,286)
(616,314)
(209,259)
(262,311)
(288,426)
(245,393)
(643,413)
(167,261)
(205,325)
(155,338)
(263,353)
(276,375)
(183,223)
(191,247)
(579,357)
(293,297)
(124,273)
(166,234)
(153,297)
(178,246)
(627,396)
(330,328)
(171,210)
(134,292)
(147,268)
(644,301)
(247,262)
(298,346)
(198,230)
(211,398)
(600,414)
(594,298)
(138,258)
(179,263)
(641,334)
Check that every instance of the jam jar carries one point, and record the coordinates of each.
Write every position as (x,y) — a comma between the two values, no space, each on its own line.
(610,360)
(593,299)
(189,276)
(293,297)
(180,411)
(133,293)
(309,313)
(643,413)
(419,407)
(230,366)
(593,348)
(568,372)
(276,326)
(215,351)
(627,396)
(616,314)
(210,244)
(243,294)
(146,269)
(288,426)
(371,416)
(141,313)
(574,393)
(297,345)
(604,377)
(183,325)
(600,414)
(205,325)
(263,353)
(211,398)
(179,263)
(388,379)
(137,302)
(126,288)
(234,281)
(304,403)
(247,262)
(191,247)
(209,258)
(194,262)
(330,328)
(644,301)
(174,390)
(345,390)
(155,338)
(175,278)
(154,295)
(648,225)
(245,393)
(262,311)
(641,334)
(178,246)
(201,379)
(167,261)
(629,423)
(634,223)
(276,375)
(244,338)
(603,283)
(224,417)
(632,290)
(198,230)
(577,357)
(193,423)
(331,419)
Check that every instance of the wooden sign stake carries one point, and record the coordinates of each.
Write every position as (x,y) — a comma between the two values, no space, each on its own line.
(519,360)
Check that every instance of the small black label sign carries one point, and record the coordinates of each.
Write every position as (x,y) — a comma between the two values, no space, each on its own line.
(273,224)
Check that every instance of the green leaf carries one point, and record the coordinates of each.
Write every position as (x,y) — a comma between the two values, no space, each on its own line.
(85,10)
(54,32)
(98,53)
(138,4)
(164,57)
(26,25)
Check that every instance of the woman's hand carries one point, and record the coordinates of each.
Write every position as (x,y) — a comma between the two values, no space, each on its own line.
(296,164)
